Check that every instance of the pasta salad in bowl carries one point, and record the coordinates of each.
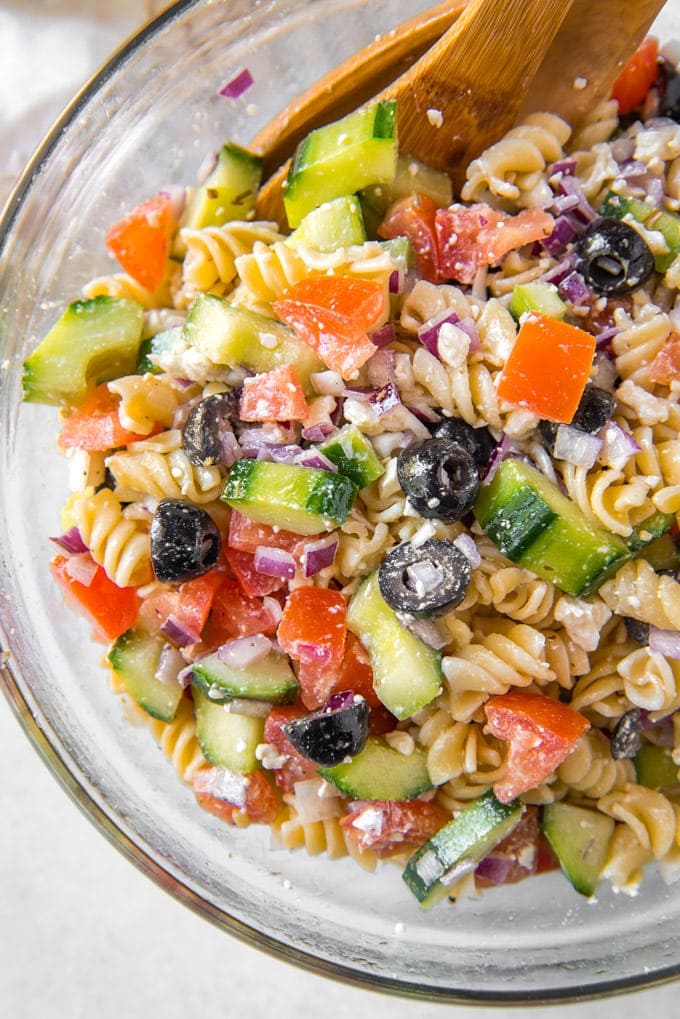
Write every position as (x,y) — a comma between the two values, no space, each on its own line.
(365,522)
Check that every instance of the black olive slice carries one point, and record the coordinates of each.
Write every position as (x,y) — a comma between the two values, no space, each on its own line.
(439,477)
(206,426)
(670,103)
(331,734)
(627,735)
(595,408)
(637,630)
(478,442)
(613,257)
(185,541)
(425,580)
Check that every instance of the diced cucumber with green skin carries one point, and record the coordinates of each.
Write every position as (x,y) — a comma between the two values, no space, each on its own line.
(229,192)
(537,296)
(335,224)
(459,846)
(411,177)
(649,530)
(379,772)
(161,343)
(656,768)
(269,679)
(228,739)
(134,657)
(353,454)
(407,674)
(662,554)
(400,251)
(666,223)
(580,839)
(305,500)
(341,159)
(239,337)
(535,525)
(94,341)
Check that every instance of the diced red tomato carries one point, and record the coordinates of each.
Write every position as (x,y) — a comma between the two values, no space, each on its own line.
(246,535)
(295,767)
(259,804)
(523,852)
(386,827)
(414,217)
(637,77)
(356,675)
(541,732)
(665,368)
(273,396)
(548,368)
(332,315)
(189,604)
(470,237)
(253,584)
(141,241)
(111,609)
(233,614)
(313,631)
(95,425)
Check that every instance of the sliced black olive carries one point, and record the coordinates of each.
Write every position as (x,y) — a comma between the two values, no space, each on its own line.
(613,257)
(185,541)
(206,427)
(595,408)
(670,103)
(478,442)
(627,735)
(439,477)
(425,580)
(637,630)
(329,735)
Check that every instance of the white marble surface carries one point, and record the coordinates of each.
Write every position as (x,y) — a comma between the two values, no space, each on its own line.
(82,932)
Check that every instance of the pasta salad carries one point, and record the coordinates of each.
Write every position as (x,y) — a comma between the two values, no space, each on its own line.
(378,514)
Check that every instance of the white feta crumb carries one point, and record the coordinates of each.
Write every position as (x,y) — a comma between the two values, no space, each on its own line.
(287,883)
(435,117)
(580,83)
(268,340)
(399,927)
(252,109)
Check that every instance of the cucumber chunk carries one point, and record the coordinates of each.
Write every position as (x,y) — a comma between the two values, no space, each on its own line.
(537,296)
(134,657)
(93,341)
(161,343)
(579,838)
(341,159)
(656,768)
(407,674)
(227,738)
(269,679)
(649,530)
(538,527)
(237,336)
(335,224)
(379,772)
(632,210)
(305,500)
(411,177)
(353,454)
(459,846)
(229,192)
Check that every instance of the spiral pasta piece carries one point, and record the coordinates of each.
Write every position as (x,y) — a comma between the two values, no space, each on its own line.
(162,470)
(637,591)
(590,769)
(121,545)
(648,813)
(650,680)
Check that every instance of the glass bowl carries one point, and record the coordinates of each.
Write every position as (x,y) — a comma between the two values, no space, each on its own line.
(147,121)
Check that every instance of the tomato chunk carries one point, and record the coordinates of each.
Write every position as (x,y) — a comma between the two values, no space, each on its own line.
(246,535)
(332,315)
(293,766)
(111,609)
(637,77)
(254,584)
(470,237)
(386,827)
(141,241)
(665,368)
(313,631)
(548,368)
(356,674)
(541,732)
(189,604)
(525,851)
(414,217)
(233,614)
(273,396)
(250,797)
(95,425)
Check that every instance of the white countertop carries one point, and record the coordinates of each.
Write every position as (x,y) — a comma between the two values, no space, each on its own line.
(82,932)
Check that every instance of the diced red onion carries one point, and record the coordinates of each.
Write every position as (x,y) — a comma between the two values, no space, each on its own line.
(495,869)
(273,435)
(605,373)
(383,336)
(584,210)
(319,431)
(380,368)
(428,415)
(223,784)
(170,664)
(633,168)
(244,651)
(428,332)
(358,392)
(563,232)
(231,451)
(273,607)
(427,631)
(469,327)
(314,654)
(559,272)
(274,562)
(318,555)
(423,576)
(185,675)
(237,85)
(576,447)
(468,547)
(285,454)
(574,289)
(314,458)
(82,568)
(178,633)
(659,732)
(500,453)
(665,642)
(622,149)
(618,445)
(342,699)
(384,399)
(395,282)
(70,541)
(566,167)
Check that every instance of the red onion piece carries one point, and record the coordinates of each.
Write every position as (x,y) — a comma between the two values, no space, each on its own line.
(499,454)
(665,642)
(314,458)
(284,454)
(384,335)
(170,664)
(319,431)
(313,654)
(468,546)
(385,399)
(426,414)
(239,84)
(560,271)
(574,289)
(567,167)
(342,699)
(563,232)
(273,607)
(71,541)
(495,869)
(244,651)
(577,447)
(584,210)
(428,333)
(274,562)
(178,633)
(82,568)
(318,555)
(618,445)
(381,368)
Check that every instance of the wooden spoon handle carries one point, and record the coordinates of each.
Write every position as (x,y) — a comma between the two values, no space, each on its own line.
(466,91)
